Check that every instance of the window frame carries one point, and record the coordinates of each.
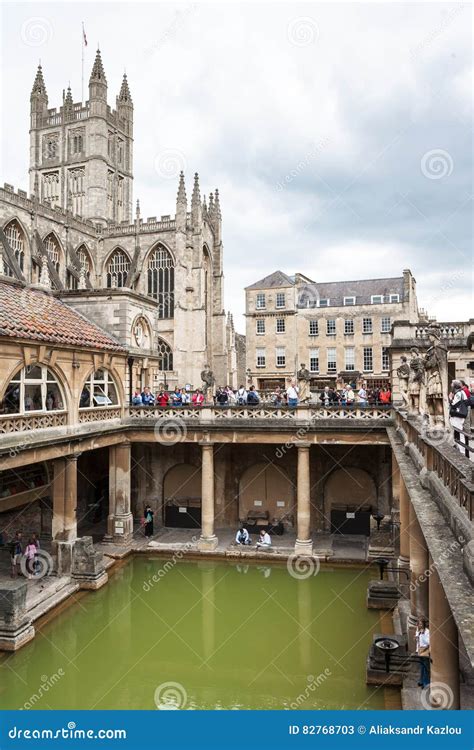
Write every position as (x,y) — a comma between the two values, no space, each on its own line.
(258,298)
(331,332)
(393,301)
(331,369)
(325,302)
(385,330)
(314,323)
(376,299)
(313,356)
(20,378)
(263,357)
(370,322)
(258,322)
(346,321)
(367,349)
(280,356)
(92,382)
(279,306)
(349,304)
(349,366)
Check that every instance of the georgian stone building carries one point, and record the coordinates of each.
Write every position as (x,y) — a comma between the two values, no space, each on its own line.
(340,328)
(156,285)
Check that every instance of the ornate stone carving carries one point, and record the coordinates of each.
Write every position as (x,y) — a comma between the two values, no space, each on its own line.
(415,382)
(403,374)
(208,380)
(304,377)
(436,368)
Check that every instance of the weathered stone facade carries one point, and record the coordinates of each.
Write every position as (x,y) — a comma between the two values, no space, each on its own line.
(337,328)
(157,285)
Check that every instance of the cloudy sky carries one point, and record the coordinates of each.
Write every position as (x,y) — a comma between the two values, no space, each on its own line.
(339,135)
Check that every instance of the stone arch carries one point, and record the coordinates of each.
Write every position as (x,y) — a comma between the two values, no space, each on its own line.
(20,244)
(116,268)
(55,250)
(165,354)
(182,496)
(160,267)
(36,387)
(350,490)
(266,490)
(85,259)
(86,399)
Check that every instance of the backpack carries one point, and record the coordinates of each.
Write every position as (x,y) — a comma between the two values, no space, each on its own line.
(252,397)
(459,409)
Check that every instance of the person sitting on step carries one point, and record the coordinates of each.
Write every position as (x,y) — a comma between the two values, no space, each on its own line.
(242,536)
(264,540)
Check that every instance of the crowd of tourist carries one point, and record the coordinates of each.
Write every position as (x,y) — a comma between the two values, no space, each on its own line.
(349,395)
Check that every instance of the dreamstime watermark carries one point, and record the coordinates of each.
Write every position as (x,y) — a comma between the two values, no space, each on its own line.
(437,434)
(170,696)
(428,40)
(170,430)
(303,163)
(36,31)
(302,567)
(302,31)
(46,684)
(436,164)
(171,32)
(313,684)
(169,565)
(444,555)
(299,435)
(38,566)
(437,695)
(169,163)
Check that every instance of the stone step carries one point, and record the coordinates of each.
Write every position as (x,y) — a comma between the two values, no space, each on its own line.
(51,600)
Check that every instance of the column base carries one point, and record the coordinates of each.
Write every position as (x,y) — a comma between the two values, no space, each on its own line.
(207,543)
(304,547)
(119,528)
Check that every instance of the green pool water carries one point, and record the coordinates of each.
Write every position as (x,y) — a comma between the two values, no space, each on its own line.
(204,635)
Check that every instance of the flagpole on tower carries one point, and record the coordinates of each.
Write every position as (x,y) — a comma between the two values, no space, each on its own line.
(83,46)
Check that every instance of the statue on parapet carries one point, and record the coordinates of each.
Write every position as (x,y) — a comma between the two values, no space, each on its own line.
(208,380)
(416,383)
(436,368)
(304,378)
(403,373)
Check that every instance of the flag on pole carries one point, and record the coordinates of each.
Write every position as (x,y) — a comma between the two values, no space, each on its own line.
(84,38)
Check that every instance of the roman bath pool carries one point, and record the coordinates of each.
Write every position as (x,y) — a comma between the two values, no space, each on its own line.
(202,635)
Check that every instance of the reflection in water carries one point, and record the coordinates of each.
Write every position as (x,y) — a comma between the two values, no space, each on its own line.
(227,633)
(304,620)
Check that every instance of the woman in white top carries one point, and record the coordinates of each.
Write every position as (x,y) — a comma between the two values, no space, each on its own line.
(422,640)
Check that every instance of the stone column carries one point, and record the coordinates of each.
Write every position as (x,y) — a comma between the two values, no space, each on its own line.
(120,519)
(443,646)
(208,540)
(419,564)
(404,557)
(70,499)
(304,544)
(59,494)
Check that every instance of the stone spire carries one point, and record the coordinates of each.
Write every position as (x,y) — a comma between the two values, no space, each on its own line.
(218,205)
(137,211)
(39,86)
(204,207)
(98,88)
(68,102)
(98,73)
(44,279)
(124,95)
(181,204)
(196,210)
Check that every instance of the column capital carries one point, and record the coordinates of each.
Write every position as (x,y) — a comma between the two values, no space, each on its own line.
(206,444)
(302,443)
(73,456)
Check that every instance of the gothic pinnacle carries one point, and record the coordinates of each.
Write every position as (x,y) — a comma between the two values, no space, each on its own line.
(124,95)
(181,189)
(98,73)
(196,193)
(39,86)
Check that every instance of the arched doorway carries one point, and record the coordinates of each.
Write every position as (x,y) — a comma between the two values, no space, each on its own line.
(182,497)
(349,496)
(266,495)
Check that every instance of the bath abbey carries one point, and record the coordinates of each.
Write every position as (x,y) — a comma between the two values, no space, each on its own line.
(155,285)
(172,491)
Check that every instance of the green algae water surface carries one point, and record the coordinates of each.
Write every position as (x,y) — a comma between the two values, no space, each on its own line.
(202,635)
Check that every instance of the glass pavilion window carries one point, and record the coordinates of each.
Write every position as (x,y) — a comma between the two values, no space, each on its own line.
(16,240)
(99,390)
(161,281)
(33,389)
(117,269)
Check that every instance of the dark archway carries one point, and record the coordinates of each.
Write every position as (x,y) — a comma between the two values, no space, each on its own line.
(182,497)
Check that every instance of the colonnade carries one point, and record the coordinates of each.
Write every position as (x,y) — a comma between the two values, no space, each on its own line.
(428,600)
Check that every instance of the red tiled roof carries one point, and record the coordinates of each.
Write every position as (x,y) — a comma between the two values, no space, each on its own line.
(30,313)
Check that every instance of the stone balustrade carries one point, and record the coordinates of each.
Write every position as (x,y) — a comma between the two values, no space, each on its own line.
(29,422)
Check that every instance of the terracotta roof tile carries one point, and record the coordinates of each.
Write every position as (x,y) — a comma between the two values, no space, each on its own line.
(27,312)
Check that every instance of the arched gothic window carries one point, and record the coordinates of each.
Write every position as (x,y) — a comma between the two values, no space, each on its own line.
(16,240)
(118,267)
(165,355)
(99,390)
(161,280)
(54,251)
(33,389)
(85,261)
